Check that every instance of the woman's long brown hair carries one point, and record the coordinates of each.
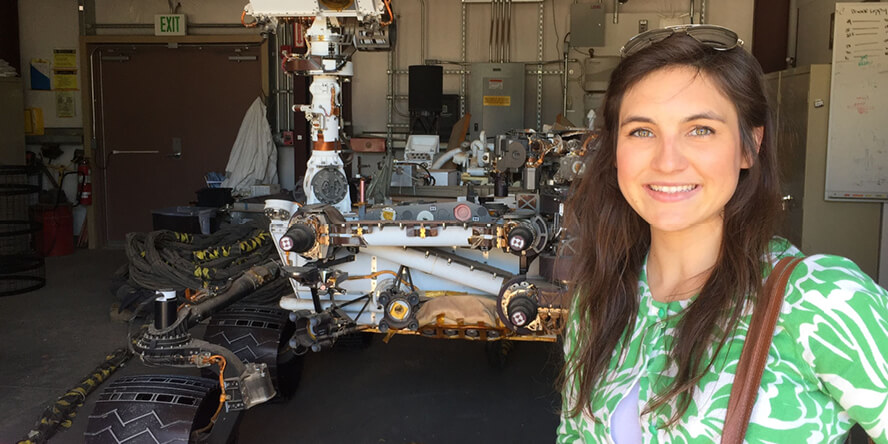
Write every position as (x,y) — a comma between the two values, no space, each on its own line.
(614,240)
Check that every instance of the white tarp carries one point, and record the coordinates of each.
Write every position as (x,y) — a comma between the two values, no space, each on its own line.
(253,158)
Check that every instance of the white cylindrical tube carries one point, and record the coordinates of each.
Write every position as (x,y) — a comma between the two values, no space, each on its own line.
(431,264)
(452,236)
(440,161)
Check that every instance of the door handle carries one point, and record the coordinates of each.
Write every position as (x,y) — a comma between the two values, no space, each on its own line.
(787,202)
(135,152)
(176,148)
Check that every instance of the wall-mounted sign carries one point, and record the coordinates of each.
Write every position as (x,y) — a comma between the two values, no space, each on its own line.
(169,24)
(64,58)
(64,79)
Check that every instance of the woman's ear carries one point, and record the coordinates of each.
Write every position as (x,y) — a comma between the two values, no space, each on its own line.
(758,133)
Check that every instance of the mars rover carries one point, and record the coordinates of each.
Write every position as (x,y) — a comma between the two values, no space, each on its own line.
(487,264)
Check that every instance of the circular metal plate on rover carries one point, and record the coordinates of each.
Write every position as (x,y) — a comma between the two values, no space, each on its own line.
(329,185)
(338,5)
(514,156)
(517,305)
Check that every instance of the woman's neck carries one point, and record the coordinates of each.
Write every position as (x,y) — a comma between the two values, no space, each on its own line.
(680,262)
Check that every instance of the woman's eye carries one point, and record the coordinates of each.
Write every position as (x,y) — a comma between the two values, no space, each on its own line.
(641,132)
(702,131)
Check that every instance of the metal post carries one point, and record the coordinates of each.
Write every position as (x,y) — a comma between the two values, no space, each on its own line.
(390,102)
(509,31)
(462,78)
(564,81)
(422,31)
(491,42)
(539,125)
(87,16)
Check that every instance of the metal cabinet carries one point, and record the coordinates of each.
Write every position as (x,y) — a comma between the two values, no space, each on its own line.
(800,97)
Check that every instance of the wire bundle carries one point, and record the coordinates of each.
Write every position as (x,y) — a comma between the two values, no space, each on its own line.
(205,264)
(63,410)
(176,261)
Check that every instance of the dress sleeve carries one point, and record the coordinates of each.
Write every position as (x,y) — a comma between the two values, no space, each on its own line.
(840,319)
(569,428)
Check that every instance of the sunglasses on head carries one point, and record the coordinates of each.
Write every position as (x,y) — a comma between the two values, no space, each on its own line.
(713,36)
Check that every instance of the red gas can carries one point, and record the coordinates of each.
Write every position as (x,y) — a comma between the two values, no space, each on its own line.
(56,238)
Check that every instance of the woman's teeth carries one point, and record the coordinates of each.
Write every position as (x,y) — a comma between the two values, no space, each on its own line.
(672,189)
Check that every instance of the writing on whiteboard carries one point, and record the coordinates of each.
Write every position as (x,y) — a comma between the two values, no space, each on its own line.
(865,30)
(861,105)
(870,11)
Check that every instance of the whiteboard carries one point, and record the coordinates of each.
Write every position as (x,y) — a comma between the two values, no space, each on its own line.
(857,149)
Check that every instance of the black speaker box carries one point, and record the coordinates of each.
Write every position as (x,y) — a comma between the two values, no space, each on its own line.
(426,86)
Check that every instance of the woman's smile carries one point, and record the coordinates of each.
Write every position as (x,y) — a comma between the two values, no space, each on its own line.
(672,193)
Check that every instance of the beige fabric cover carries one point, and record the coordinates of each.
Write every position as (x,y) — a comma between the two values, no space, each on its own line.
(470,309)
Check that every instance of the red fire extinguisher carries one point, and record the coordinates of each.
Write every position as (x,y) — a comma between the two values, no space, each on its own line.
(84,185)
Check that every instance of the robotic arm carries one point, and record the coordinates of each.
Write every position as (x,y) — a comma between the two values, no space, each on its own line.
(338,28)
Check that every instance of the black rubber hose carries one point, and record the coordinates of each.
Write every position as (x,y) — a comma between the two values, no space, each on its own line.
(241,287)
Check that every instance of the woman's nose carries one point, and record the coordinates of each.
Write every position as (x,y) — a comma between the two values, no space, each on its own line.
(669,156)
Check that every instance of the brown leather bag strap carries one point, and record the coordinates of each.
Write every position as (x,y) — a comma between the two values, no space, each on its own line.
(748,377)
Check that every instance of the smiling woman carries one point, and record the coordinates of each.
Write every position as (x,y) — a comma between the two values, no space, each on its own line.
(679,152)
(677,213)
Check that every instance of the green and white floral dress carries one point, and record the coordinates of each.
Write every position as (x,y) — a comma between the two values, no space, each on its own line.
(827,367)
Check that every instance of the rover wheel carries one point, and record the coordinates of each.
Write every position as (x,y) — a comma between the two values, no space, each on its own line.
(259,333)
(152,408)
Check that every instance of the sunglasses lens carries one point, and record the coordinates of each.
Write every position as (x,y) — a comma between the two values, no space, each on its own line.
(713,36)
(717,38)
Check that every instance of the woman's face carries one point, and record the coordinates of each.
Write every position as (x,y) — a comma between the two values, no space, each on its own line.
(679,150)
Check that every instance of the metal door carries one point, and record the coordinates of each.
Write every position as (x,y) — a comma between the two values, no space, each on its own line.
(165,117)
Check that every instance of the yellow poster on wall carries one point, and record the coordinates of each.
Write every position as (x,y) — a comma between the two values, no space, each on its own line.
(64,79)
(64,58)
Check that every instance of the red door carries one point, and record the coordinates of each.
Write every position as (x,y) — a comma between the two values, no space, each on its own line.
(165,117)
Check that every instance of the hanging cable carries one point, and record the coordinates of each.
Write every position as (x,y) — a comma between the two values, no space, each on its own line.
(248,25)
(221,362)
(388,7)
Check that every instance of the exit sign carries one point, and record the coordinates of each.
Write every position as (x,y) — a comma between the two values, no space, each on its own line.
(169,24)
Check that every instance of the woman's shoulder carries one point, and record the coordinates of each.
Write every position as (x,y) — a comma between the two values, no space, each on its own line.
(819,271)
(833,288)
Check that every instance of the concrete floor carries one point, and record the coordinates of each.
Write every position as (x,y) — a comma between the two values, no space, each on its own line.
(412,390)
